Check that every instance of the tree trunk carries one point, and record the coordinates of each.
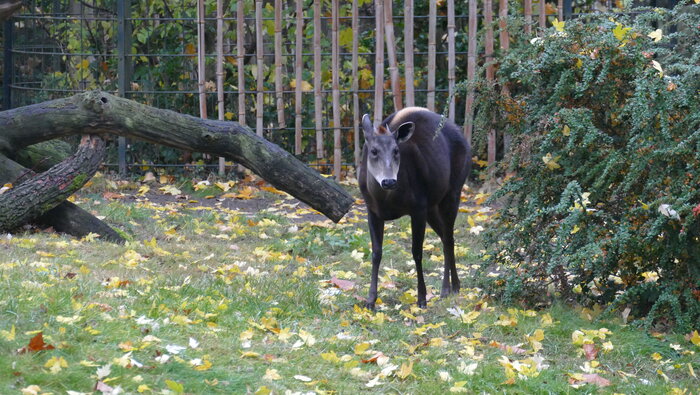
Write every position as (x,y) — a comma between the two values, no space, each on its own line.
(41,193)
(99,113)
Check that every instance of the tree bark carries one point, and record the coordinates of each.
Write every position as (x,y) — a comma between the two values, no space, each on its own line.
(33,197)
(66,217)
(8,7)
(98,113)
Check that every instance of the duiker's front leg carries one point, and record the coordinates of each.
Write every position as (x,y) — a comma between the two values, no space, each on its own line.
(418,233)
(376,233)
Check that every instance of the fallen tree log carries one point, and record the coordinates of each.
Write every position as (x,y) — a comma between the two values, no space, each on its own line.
(101,113)
(66,217)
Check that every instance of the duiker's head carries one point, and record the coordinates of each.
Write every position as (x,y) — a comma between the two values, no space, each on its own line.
(382,147)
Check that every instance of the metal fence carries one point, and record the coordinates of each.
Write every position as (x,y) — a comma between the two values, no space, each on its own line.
(300,73)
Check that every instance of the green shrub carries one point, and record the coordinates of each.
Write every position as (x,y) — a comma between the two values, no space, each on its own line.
(601,200)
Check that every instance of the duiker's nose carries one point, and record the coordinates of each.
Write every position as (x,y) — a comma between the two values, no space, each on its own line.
(389,183)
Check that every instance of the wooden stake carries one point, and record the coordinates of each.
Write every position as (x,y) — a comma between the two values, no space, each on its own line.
(490,71)
(201,69)
(298,65)
(260,66)
(471,69)
(240,36)
(504,41)
(220,72)
(335,66)
(432,21)
(391,55)
(379,62)
(560,10)
(279,89)
(408,52)
(318,103)
(355,83)
(543,14)
(451,56)
(527,5)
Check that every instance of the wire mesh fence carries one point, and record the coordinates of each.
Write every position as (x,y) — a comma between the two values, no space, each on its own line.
(301,73)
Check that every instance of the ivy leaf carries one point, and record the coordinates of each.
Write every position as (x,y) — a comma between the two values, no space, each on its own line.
(551,162)
(174,386)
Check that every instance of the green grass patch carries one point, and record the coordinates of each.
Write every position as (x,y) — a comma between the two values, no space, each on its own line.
(210,300)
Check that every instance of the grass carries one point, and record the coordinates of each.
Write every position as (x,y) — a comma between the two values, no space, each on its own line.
(204,299)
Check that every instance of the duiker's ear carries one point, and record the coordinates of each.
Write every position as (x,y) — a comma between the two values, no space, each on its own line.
(367,127)
(404,132)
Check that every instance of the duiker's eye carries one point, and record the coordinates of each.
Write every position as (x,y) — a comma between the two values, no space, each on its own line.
(396,152)
(374,152)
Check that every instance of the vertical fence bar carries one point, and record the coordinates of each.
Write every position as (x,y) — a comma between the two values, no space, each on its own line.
(355,83)
(408,52)
(451,57)
(379,62)
(240,60)
(281,124)
(318,103)
(201,61)
(568,9)
(504,42)
(391,54)
(490,71)
(335,65)
(9,65)
(123,69)
(527,5)
(260,87)
(220,72)
(432,21)
(298,65)
(543,14)
(471,70)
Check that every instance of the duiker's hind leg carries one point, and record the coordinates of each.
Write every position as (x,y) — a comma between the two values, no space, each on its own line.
(436,222)
(447,213)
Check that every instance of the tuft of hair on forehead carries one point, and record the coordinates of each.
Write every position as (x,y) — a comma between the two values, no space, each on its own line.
(383,130)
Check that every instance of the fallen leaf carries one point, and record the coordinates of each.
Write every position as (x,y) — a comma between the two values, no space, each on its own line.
(36,344)
(345,285)
(590,350)
(590,378)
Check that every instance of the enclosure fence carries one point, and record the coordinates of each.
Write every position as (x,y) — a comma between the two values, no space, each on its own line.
(300,73)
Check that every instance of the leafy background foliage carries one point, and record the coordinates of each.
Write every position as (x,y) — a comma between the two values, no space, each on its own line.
(601,198)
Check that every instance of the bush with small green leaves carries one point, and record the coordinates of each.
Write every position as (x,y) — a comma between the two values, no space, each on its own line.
(602,194)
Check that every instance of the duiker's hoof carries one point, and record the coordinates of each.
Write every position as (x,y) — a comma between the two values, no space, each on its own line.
(422,305)
(370,306)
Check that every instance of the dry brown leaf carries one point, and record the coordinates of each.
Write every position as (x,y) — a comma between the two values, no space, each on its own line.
(345,285)
(590,350)
(36,344)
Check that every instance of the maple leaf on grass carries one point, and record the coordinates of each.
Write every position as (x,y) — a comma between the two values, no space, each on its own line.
(36,344)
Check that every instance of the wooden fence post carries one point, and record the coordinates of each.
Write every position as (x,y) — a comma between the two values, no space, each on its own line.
(355,84)
(471,70)
(335,65)
(379,62)
(260,87)
(279,89)
(220,72)
(318,103)
(408,53)
(451,57)
(240,44)
(432,21)
(391,55)
(298,65)
(490,72)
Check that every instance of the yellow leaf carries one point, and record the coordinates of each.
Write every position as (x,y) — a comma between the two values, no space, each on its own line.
(206,365)
(620,32)
(305,85)
(656,35)
(551,162)
(55,364)
(31,390)
(9,335)
(330,357)
(249,354)
(272,374)
(656,356)
(695,338)
(361,348)
(190,49)
(228,115)
(579,64)
(405,370)
(566,131)
(143,388)
(657,66)
(559,25)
